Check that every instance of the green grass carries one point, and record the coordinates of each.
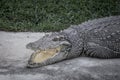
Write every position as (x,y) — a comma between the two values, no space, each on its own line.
(52,15)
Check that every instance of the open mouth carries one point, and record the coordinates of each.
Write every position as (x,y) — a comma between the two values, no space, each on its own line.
(43,55)
(49,56)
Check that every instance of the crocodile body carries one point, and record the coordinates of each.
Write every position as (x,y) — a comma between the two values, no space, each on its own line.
(99,38)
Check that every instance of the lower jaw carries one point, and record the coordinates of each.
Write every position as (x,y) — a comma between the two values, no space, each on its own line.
(35,65)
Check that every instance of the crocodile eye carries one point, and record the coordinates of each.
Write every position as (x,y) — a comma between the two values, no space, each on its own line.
(55,39)
(58,38)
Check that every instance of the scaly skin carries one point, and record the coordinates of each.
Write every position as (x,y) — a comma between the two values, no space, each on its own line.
(99,38)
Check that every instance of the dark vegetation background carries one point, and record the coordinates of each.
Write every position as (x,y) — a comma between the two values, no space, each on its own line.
(52,15)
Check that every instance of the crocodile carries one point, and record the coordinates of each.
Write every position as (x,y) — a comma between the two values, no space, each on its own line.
(98,38)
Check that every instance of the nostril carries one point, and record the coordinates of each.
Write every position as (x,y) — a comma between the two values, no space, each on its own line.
(29,45)
(33,46)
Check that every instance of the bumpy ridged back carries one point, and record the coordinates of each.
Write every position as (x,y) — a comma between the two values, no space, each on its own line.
(106,33)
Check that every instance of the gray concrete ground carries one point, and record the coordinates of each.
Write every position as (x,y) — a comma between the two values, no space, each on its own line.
(14,56)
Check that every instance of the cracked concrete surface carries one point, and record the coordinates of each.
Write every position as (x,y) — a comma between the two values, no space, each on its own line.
(14,56)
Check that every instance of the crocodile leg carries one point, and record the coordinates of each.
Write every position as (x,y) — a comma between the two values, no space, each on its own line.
(97,51)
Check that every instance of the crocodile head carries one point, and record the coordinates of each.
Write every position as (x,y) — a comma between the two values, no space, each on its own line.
(49,49)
